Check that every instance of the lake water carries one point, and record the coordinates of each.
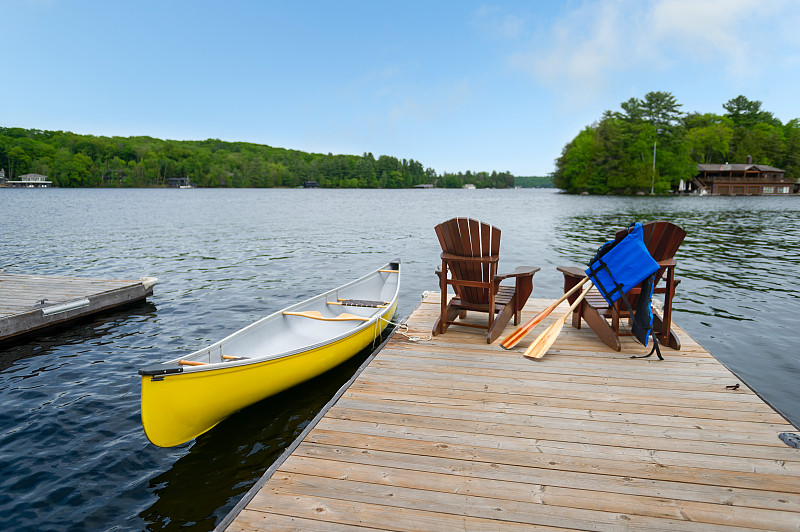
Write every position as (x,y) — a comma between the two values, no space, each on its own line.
(73,455)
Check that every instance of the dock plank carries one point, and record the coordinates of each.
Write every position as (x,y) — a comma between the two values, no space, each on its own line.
(448,432)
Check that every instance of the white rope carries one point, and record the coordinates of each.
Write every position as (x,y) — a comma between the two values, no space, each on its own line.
(400,325)
(376,334)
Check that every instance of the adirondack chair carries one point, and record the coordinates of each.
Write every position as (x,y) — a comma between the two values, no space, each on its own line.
(470,254)
(662,240)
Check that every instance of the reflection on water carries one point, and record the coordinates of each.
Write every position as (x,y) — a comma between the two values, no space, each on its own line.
(72,451)
(78,332)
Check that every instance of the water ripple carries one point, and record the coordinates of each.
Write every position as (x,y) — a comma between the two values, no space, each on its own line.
(72,452)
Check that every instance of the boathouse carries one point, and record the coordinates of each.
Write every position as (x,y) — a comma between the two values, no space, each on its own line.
(28,181)
(179,182)
(742,179)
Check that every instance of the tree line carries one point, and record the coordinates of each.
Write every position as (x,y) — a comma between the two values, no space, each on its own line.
(534,181)
(73,160)
(650,144)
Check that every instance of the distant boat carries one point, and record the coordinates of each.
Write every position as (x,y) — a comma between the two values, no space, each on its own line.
(187,396)
(469,186)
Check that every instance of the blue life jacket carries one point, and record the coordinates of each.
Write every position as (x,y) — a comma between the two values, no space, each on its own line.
(619,266)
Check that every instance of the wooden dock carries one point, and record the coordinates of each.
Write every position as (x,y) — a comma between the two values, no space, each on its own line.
(31,302)
(451,433)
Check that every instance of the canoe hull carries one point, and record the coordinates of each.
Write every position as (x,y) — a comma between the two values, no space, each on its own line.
(179,407)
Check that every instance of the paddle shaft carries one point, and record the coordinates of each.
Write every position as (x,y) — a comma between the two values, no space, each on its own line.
(521,332)
(540,346)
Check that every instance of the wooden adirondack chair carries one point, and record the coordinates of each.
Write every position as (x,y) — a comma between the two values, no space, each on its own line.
(470,253)
(662,240)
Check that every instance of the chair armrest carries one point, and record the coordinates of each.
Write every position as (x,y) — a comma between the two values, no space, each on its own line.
(668,263)
(460,258)
(521,271)
(572,271)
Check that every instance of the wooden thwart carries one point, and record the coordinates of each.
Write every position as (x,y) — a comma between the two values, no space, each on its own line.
(192,363)
(453,433)
(317,315)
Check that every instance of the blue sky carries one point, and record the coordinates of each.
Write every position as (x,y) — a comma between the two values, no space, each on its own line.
(455,85)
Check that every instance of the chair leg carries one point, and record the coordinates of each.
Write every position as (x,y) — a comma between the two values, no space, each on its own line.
(663,324)
(666,336)
(569,283)
(499,323)
(600,326)
(442,323)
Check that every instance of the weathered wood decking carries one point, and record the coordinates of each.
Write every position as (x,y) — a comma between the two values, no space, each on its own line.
(30,302)
(451,433)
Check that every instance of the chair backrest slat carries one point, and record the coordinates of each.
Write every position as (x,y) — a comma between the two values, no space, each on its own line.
(466,237)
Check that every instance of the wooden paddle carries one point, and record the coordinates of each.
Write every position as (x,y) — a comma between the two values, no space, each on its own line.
(514,338)
(540,346)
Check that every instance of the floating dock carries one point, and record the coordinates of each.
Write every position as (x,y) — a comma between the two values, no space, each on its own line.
(451,433)
(31,302)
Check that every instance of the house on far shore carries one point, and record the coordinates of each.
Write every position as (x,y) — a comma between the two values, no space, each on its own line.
(179,182)
(741,180)
(26,181)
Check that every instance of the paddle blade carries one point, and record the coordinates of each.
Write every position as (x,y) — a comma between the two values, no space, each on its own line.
(545,340)
(540,346)
(521,332)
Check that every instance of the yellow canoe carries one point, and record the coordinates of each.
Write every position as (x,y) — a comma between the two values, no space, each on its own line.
(187,396)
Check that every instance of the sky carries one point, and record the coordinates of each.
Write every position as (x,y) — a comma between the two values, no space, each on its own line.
(456,85)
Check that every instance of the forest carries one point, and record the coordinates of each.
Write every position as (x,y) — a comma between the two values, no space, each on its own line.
(533,181)
(651,145)
(74,160)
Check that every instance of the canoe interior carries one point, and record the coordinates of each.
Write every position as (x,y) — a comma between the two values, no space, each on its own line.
(280,335)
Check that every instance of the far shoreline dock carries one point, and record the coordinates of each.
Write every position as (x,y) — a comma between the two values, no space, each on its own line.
(450,432)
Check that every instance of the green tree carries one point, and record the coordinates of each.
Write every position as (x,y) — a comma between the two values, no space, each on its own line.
(747,113)
(709,137)
(661,109)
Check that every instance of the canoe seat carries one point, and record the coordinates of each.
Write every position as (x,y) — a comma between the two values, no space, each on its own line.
(317,315)
(360,303)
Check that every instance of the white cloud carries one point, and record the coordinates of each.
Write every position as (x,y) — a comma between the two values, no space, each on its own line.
(709,29)
(497,23)
(588,47)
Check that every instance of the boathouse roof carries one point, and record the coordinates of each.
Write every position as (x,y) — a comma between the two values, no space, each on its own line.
(737,168)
